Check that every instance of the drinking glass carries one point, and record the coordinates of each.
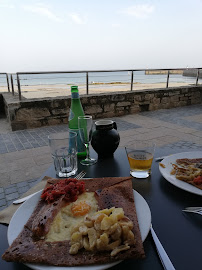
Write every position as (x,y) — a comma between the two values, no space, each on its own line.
(140,156)
(64,152)
(85,132)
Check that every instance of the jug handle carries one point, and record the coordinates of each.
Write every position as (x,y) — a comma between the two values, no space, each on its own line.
(114,125)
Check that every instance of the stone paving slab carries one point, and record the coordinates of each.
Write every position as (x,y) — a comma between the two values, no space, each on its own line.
(7,196)
(197,133)
(24,165)
(25,155)
(180,116)
(195,118)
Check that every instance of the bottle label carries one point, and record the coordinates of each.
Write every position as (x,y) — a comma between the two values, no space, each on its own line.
(71,115)
(80,145)
(75,95)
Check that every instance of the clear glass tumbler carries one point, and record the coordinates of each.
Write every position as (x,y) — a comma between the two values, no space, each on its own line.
(64,153)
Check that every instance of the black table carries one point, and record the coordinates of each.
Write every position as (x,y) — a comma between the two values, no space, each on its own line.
(180,233)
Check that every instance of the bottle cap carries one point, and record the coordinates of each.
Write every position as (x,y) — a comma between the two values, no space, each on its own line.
(74,88)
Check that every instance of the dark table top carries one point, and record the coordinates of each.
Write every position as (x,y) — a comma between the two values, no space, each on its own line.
(180,233)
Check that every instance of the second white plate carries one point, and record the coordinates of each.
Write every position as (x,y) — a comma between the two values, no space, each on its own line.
(171,178)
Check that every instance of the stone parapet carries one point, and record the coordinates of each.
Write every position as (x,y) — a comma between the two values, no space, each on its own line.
(32,113)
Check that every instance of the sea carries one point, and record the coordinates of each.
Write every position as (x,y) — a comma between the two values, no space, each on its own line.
(119,77)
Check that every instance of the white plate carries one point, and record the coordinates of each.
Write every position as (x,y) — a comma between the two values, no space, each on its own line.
(171,178)
(23,213)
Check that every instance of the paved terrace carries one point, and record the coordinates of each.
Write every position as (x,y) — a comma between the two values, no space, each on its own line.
(25,155)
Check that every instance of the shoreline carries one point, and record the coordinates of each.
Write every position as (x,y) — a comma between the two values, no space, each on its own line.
(43,91)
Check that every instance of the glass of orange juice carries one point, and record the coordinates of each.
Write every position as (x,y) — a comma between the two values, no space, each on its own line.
(140,156)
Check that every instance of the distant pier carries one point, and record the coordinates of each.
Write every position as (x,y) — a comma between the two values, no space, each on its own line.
(159,72)
(192,73)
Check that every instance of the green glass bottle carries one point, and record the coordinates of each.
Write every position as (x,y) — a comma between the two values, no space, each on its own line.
(76,110)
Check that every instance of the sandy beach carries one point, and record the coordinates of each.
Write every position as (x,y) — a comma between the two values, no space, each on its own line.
(43,91)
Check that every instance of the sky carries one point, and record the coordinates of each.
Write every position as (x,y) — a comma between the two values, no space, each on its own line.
(67,35)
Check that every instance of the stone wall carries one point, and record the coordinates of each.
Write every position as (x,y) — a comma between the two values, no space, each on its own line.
(2,110)
(52,111)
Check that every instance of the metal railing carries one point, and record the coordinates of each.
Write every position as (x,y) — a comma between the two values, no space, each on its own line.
(7,80)
(131,71)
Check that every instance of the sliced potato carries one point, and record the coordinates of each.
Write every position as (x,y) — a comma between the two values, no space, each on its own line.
(118,213)
(106,223)
(92,236)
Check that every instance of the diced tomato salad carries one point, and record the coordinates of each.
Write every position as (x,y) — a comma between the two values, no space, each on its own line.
(198,180)
(69,188)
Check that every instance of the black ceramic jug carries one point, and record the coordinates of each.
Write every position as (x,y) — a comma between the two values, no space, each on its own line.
(105,139)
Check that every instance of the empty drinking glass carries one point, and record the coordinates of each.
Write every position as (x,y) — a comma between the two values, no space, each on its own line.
(64,152)
(85,132)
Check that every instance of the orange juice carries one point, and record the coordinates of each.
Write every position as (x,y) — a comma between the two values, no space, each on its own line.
(140,160)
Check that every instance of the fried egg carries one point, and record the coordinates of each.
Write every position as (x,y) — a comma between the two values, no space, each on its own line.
(70,216)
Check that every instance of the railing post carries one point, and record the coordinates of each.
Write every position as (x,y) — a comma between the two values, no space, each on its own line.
(197,76)
(19,88)
(12,86)
(168,78)
(131,84)
(87,83)
(8,82)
